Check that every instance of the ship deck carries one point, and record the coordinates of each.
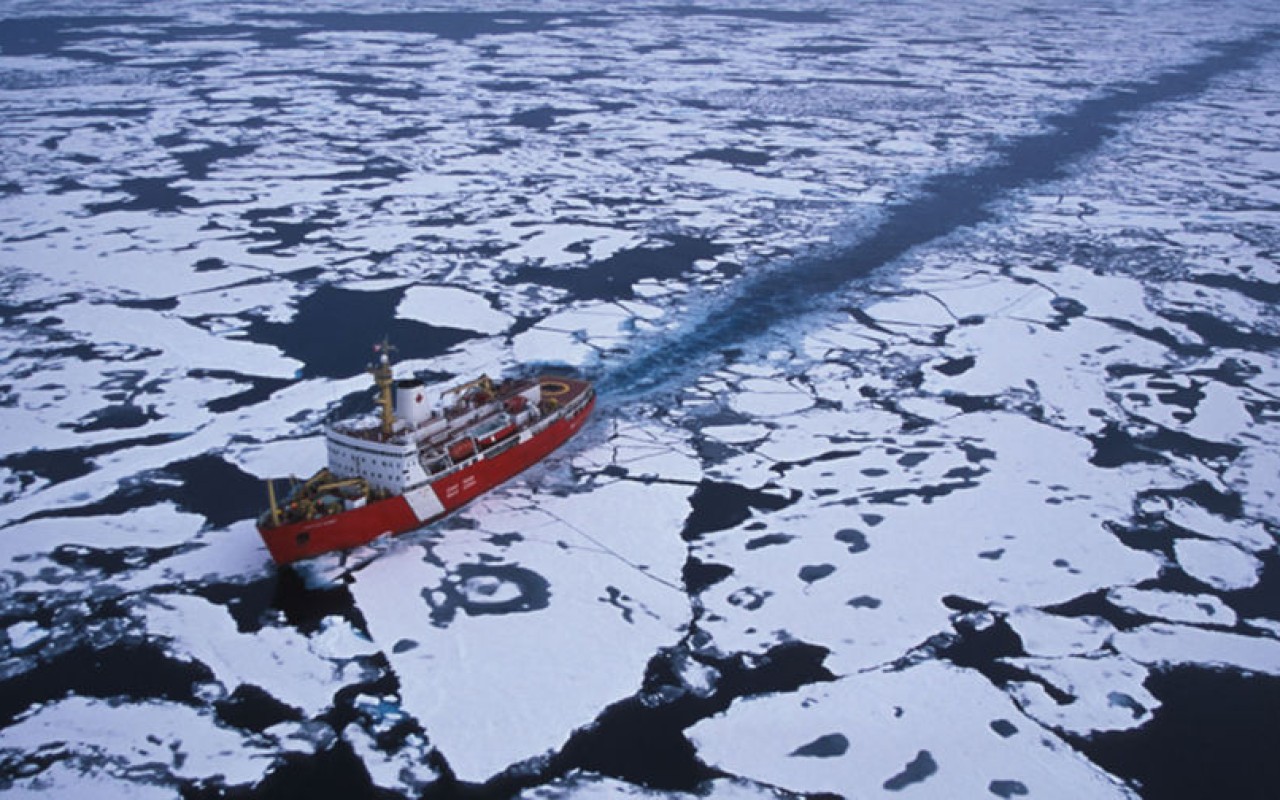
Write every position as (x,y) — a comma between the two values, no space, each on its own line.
(556,392)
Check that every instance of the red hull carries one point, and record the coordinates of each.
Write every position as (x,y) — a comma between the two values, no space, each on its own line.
(395,515)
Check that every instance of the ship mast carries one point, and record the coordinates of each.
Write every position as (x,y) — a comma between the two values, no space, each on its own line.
(383,379)
(271,498)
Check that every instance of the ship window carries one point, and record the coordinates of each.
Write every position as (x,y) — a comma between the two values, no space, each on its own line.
(303,539)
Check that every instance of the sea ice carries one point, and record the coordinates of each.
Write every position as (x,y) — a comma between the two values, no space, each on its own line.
(878,730)
(1094,693)
(556,245)
(767,397)
(980,294)
(173,340)
(406,771)
(27,548)
(296,670)
(498,678)
(1193,609)
(1243,533)
(588,786)
(1253,476)
(736,434)
(25,635)
(910,312)
(1012,529)
(1057,368)
(279,458)
(645,451)
(452,307)
(1223,566)
(574,336)
(69,779)
(1050,635)
(150,743)
(1166,645)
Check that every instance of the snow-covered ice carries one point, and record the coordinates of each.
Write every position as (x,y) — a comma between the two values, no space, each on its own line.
(165,742)
(879,732)
(451,307)
(1220,565)
(528,624)
(300,671)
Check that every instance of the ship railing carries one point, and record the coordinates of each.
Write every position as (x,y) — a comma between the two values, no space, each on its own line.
(499,447)
(372,432)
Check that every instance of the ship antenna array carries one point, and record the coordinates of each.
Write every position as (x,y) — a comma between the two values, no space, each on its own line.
(383,379)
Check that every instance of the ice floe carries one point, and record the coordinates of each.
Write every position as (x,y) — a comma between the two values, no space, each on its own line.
(1220,565)
(974,512)
(1164,645)
(155,743)
(451,307)
(533,618)
(878,732)
(407,770)
(765,397)
(578,335)
(1090,694)
(69,779)
(587,786)
(1194,609)
(1051,635)
(298,671)
(1253,476)
(25,635)
(27,549)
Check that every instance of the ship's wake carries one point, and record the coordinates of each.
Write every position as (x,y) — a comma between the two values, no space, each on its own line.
(775,295)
